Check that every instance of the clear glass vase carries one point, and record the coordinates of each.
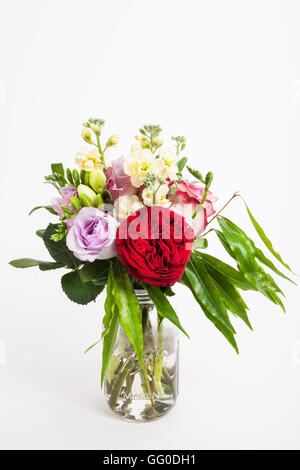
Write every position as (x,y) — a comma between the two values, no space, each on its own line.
(137,394)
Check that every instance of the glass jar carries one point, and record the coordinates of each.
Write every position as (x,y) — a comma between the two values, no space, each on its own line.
(137,394)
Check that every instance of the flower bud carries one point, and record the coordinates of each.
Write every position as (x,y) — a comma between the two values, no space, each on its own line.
(86,178)
(76,177)
(86,124)
(157,141)
(75,203)
(83,189)
(114,139)
(95,129)
(85,200)
(97,180)
(144,144)
(98,202)
(86,135)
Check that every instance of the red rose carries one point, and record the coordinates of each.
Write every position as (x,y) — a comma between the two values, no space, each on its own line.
(154,244)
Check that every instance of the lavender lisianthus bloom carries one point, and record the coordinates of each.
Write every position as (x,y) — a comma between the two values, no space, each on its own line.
(92,235)
(118,182)
(66,192)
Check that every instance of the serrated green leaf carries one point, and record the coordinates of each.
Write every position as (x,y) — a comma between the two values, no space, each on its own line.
(244,252)
(265,239)
(163,306)
(236,277)
(228,334)
(200,243)
(206,291)
(78,291)
(96,272)
(230,294)
(48,208)
(130,314)
(58,250)
(110,323)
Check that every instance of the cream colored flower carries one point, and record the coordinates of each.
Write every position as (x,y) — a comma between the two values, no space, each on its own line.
(125,206)
(138,164)
(88,158)
(167,163)
(156,195)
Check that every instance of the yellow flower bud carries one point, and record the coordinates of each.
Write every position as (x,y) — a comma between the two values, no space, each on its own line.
(95,129)
(86,135)
(114,139)
(157,141)
(144,143)
(83,189)
(98,202)
(97,180)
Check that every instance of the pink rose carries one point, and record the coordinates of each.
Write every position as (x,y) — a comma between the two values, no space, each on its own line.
(186,200)
(118,182)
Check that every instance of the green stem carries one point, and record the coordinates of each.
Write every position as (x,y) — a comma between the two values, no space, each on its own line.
(118,383)
(218,213)
(159,359)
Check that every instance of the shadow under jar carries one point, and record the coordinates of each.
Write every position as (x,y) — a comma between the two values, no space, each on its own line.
(144,394)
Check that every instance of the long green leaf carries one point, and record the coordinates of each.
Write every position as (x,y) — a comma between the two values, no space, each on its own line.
(164,308)
(206,290)
(260,255)
(225,331)
(244,252)
(48,208)
(236,277)
(230,295)
(265,239)
(110,323)
(29,263)
(130,314)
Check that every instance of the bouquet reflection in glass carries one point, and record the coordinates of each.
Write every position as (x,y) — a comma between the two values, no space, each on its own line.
(142,394)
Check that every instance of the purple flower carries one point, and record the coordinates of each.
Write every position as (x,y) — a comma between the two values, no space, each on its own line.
(92,235)
(118,182)
(67,192)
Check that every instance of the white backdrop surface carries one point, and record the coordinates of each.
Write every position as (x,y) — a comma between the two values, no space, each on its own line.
(226,74)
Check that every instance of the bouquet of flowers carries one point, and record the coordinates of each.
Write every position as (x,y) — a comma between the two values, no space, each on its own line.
(137,225)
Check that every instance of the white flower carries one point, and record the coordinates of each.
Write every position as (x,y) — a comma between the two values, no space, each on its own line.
(125,206)
(155,195)
(167,163)
(88,158)
(138,164)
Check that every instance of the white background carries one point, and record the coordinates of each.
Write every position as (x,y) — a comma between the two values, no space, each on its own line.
(226,74)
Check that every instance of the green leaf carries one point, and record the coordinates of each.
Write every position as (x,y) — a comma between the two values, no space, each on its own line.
(265,239)
(229,294)
(95,272)
(244,252)
(59,173)
(259,255)
(92,346)
(206,291)
(29,263)
(58,250)
(164,308)
(236,277)
(110,323)
(130,314)
(40,233)
(181,164)
(228,334)
(200,243)
(48,208)
(167,290)
(196,174)
(78,291)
